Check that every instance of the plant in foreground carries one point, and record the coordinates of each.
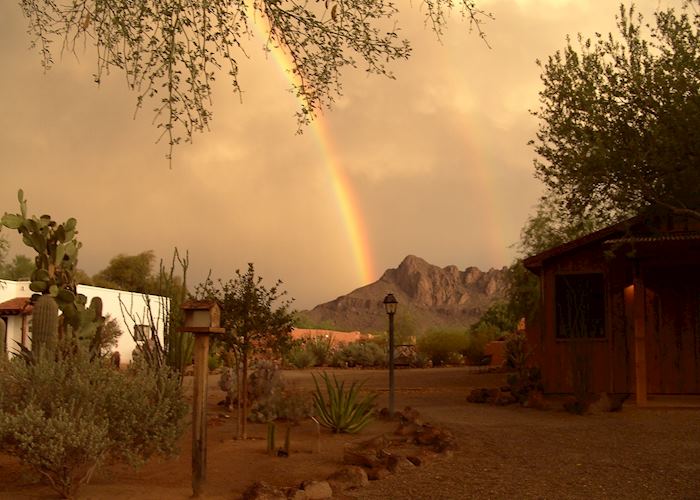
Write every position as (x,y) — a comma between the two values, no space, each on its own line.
(343,410)
(66,417)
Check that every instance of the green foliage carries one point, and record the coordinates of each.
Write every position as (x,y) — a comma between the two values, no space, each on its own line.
(179,48)
(320,348)
(478,337)
(342,410)
(255,317)
(129,272)
(620,117)
(524,380)
(273,398)
(498,315)
(299,356)
(56,255)
(21,268)
(359,354)
(66,417)
(56,259)
(443,346)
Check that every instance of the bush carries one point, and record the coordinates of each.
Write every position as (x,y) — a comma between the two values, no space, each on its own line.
(66,418)
(300,357)
(320,348)
(479,336)
(361,354)
(443,346)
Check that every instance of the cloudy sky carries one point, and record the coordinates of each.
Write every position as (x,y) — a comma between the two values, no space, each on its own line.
(436,162)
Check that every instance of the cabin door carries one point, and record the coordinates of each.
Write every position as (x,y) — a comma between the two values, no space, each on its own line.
(672,330)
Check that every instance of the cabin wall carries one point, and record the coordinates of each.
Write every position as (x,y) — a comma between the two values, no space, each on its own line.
(605,364)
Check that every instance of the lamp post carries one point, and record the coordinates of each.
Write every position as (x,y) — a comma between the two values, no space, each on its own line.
(390,304)
(202,319)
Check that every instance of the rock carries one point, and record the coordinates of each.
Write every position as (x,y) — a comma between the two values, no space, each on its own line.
(317,490)
(406,429)
(348,478)
(398,464)
(478,396)
(434,295)
(411,415)
(378,473)
(362,458)
(263,491)
(295,494)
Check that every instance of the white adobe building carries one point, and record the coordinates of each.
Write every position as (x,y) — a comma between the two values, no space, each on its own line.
(129,309)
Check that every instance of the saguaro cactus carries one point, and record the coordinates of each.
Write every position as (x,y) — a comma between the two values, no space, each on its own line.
(44,326)
(3,337)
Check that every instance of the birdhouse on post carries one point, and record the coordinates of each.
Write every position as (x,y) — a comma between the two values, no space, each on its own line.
(202,318)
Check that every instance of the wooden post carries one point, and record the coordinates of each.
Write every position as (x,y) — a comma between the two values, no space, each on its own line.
(201,319)
(391,364)
(640,359)
(199,413)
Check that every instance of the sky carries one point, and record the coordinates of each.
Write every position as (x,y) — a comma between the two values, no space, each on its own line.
(434,163)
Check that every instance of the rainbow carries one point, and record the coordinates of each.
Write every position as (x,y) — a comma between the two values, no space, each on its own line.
(343,191)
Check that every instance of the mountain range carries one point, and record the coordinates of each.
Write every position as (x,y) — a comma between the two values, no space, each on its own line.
(430,295)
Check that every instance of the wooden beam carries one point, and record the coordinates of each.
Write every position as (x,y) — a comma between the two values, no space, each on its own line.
(640,359)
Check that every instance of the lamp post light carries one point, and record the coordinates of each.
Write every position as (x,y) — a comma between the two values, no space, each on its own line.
(390,304)
(202,318)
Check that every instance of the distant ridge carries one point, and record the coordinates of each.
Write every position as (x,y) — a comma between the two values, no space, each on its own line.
(431,295)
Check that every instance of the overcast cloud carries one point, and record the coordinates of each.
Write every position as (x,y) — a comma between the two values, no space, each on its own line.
(437,158)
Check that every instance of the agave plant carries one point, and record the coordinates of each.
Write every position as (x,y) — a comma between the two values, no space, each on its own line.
(343,410)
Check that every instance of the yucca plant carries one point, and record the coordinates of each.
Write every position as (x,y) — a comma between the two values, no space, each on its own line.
(343,410)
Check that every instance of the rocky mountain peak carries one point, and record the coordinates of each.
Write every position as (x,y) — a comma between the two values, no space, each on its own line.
(433,295)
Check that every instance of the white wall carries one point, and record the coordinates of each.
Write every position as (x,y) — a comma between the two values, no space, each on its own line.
(127,308)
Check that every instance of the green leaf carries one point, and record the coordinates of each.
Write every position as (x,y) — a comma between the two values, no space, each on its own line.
(12,221)
(53,290)
(38,286)
(60,252)
(65,296)
(70,225)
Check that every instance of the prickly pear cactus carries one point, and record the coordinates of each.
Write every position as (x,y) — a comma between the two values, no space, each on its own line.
(56,250)
(44,326)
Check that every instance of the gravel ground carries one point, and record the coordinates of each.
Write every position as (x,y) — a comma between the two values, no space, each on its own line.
(504,452)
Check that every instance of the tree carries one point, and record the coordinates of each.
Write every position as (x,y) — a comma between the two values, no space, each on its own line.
(21,268)
(620,117)
(550,226)
(172,51)
(128,272)
(256,319)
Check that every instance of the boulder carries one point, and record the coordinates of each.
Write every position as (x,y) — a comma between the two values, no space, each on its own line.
(263,491)
(317,490)
(350,477)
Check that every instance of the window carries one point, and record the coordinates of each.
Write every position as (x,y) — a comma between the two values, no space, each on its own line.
(580,309)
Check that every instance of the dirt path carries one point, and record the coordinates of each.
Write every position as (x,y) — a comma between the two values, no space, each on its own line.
(505,452)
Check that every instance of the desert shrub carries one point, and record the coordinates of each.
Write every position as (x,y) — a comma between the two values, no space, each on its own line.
(479,336)
(321,348)
(342,410)
(516,351)
(362,354)
(300,357)
(442,346)
(65,418)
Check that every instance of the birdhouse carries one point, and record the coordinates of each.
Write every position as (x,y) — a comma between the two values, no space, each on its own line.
(202,316)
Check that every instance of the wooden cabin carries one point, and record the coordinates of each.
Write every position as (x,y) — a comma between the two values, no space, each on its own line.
(620,310)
